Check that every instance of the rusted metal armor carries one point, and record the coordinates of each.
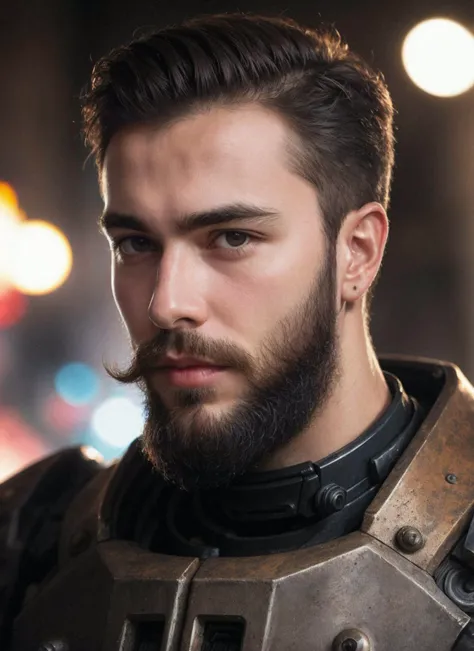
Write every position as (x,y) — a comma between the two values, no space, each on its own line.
(371,549)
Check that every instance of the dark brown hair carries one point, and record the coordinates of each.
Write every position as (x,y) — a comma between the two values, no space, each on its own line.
(337,107)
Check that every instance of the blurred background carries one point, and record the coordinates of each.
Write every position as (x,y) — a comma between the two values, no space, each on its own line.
(57,317)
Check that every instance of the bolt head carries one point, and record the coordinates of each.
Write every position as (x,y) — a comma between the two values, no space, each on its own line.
(352,639)
(409,539)
(330,498)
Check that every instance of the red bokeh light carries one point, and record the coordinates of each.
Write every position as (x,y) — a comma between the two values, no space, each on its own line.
(13,306)
(63,417)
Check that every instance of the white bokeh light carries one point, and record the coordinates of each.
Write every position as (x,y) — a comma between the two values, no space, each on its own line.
(117,421)
(438,55)
(42,258)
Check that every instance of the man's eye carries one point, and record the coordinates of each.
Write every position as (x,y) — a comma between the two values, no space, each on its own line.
(133,244)
(233,239)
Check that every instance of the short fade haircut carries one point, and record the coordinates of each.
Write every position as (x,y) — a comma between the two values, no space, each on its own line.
(339,110)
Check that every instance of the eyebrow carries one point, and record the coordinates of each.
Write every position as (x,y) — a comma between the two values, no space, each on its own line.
(192,221)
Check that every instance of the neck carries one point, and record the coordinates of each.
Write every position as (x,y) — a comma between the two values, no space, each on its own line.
(359,396)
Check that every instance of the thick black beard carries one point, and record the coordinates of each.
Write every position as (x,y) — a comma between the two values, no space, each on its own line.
(300,366)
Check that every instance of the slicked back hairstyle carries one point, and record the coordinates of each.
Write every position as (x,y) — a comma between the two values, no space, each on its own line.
(338,108)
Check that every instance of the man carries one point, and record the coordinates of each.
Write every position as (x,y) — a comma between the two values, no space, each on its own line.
(245,167)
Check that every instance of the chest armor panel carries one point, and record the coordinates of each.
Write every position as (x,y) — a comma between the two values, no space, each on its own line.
(358,593)
(118,596)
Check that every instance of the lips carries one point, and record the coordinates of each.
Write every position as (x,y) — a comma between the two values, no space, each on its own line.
(185,366)
(192,376)
(186,362)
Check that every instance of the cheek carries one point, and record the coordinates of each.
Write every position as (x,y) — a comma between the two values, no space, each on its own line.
(252,303)
(132,299)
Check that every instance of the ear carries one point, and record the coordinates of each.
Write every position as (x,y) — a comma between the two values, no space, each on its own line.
(361,244)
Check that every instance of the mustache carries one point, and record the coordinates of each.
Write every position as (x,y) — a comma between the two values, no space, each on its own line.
(148,355)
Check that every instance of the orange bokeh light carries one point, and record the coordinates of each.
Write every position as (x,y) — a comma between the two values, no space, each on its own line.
(8,197)
(42,258)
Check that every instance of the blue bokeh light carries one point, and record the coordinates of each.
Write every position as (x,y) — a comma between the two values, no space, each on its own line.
(77,383)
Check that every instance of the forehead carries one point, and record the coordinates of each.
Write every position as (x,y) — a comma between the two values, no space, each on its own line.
(216,156)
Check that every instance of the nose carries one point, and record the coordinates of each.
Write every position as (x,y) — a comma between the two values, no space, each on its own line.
(178,298)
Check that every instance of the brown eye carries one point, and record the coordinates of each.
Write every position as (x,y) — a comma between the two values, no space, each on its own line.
(134,245)
(234,239)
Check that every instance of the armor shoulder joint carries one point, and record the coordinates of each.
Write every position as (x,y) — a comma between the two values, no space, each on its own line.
(32,507)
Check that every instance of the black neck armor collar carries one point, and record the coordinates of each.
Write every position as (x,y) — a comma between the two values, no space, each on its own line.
(298,506)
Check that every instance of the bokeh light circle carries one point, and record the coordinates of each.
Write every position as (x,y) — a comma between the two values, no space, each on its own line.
(10,218)
(8,196)
(13,307)
(62,416)
(117,422)
(42,260)
(77,383)
(438,55)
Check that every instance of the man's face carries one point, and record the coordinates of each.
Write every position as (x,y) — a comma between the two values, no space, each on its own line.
(248,285)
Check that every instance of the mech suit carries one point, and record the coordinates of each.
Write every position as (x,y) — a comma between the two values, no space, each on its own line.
(370,549)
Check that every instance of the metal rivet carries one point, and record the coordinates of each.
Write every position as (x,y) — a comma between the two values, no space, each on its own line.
(409,539)
(352,639)
(330,498)
(451,479)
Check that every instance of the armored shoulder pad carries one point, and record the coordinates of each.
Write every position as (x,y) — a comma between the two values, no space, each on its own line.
(32,506)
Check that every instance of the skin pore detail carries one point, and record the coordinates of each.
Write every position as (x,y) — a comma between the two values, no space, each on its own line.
(219,252)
